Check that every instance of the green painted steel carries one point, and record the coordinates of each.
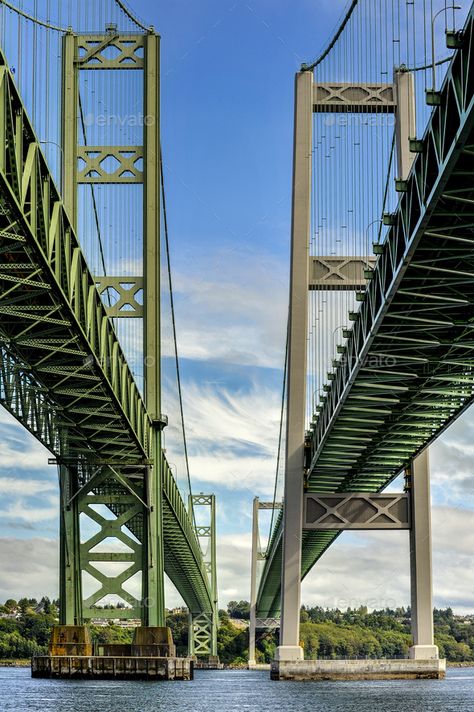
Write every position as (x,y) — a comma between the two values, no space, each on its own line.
(407,371)
(63,375)
(202,638)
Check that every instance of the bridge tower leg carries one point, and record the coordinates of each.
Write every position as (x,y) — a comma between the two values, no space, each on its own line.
(84,52)
(420,561)
(289,648)
(203,625)
(70,583)
(154,575)
(419,475)
(253,584)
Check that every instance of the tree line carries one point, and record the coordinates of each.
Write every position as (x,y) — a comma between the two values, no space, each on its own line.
(25,627)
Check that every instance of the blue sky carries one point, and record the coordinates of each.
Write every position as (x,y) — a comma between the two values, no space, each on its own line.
(227,111)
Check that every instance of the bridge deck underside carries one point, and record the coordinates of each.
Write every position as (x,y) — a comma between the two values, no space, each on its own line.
(408,368)
(63,374)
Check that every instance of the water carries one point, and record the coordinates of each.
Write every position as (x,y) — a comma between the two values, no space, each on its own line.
(236,691)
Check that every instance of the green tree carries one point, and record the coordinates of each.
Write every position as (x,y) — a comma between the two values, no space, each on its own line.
(239,609)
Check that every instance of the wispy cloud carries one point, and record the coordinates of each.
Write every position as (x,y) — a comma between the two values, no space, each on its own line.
(22,510)
(12,486)
(239,316)
(18,449)
(232,435)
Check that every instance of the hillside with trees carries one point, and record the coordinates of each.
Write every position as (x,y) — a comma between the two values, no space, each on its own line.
(25,627)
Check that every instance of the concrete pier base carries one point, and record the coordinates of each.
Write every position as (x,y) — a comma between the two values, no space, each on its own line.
(423,652)
(289,652)
(406,669)
(210,662)
(150,656)
(101,667)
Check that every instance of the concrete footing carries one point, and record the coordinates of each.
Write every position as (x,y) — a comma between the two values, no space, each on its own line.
(104,667)
(150,656)
(252,665)
(405,669)
(210,662)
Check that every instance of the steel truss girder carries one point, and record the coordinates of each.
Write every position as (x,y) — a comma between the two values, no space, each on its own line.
(398,284)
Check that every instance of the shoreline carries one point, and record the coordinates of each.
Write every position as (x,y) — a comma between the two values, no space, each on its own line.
(27,663)
(15,663)
(467,664)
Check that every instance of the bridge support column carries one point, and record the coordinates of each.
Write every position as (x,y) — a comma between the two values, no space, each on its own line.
(420,533)
(153,612)
(289,648)
(152,324)
(405,120)
(70,577)
(253,584)
(203,625)
(420,561)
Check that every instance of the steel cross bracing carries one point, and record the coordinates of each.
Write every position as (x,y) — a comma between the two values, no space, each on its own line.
(408,367)
(62,369)
(203,626)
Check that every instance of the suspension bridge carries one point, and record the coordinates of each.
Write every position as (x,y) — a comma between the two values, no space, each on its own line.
(82,284)
(379,354)
(379,349)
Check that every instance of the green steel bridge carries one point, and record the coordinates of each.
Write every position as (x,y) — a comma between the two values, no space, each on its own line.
(64,374)
(402,373)
(404,369)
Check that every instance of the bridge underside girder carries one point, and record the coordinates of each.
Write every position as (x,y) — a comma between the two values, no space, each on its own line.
(408,367)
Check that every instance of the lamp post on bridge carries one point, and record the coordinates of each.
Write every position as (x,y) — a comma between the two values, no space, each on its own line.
(431,94)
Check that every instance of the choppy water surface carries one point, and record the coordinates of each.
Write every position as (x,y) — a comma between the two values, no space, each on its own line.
(236,691)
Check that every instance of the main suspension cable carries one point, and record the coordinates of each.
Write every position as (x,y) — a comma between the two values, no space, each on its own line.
(280,436)
(430,65)
(173,322)
(94,202)
(31,18)
(340,30)
(131,16)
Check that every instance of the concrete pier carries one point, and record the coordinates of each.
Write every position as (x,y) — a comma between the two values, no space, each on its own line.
(405,669)
(117,667)
(211,662)
(150,656)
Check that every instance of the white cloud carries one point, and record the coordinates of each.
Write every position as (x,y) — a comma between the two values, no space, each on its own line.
(236,311)
(20,510)
(232,436)
(19,450)
(373,568)
(451,459)
(29,567)
(12,486)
